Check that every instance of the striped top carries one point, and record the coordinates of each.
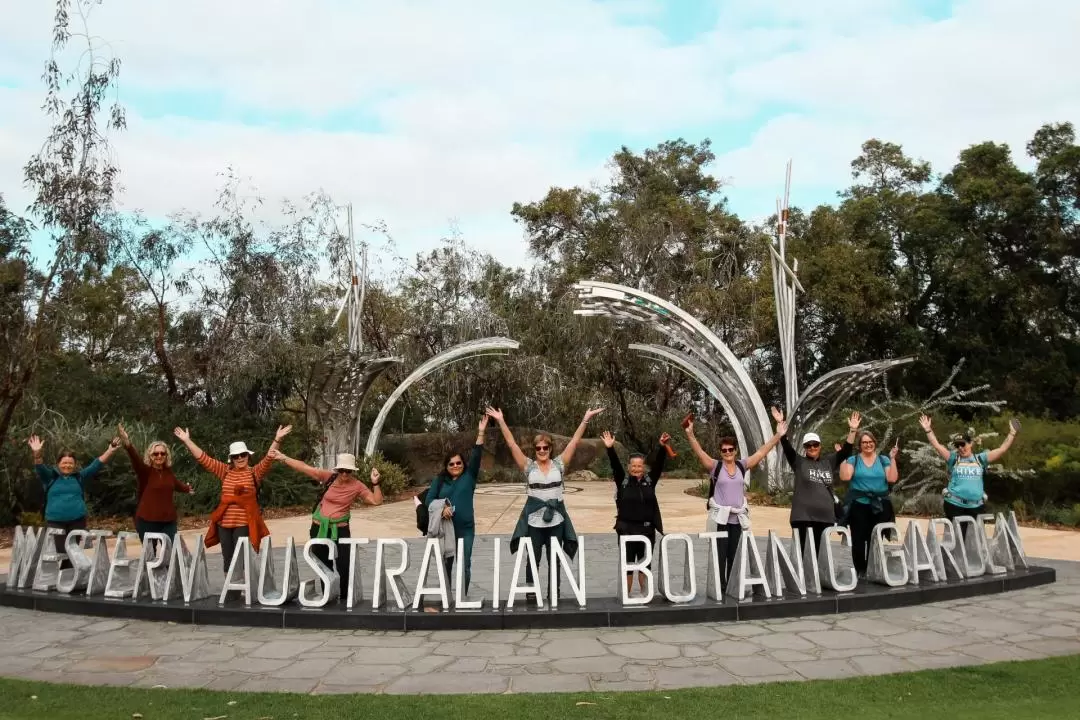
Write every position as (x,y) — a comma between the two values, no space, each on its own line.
(544,487)
(236,482)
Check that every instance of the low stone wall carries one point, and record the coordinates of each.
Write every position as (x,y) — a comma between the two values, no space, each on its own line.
(421,454)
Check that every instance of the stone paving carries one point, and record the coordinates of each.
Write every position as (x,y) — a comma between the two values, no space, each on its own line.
(1026,624)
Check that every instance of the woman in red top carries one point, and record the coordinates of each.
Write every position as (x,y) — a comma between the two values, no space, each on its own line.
(330,515)
(237,514)
(155,509)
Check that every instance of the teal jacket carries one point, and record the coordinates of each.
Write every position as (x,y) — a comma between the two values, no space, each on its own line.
(64,500)
(459,492)
(564,530)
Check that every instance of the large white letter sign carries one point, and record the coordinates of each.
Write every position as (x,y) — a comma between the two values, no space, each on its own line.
(525,554)
(48,564)
(388,577)
(748,575)
(689,583)
(460,603)
(354,585)
(268,593)
(888,563)
(327,583)
(121,582)
(942,549)
(187,576)
(713,582)
(24,556)
(972,545)
(831,577)
(432,555)
(559,559)
(641,566)
(153,569)
(243,563)
(992,553)
(74,578)
(782,573)
(919,559)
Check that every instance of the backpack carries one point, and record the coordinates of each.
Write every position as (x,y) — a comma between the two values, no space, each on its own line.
(423,516)
(321,492)
(715,475)
(48,487)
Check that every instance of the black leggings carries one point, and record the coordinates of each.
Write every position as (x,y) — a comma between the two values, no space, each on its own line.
(541,539)
(341,565)
(726,548)
(955,511)
(805,527)
(862,520)
(60,540)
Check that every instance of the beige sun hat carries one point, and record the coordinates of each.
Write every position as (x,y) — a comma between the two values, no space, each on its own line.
(345,461)
(239,448)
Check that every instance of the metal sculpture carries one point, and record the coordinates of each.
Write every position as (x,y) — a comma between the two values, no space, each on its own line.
(339,382)
(785,282)
(706,356)
(463,351)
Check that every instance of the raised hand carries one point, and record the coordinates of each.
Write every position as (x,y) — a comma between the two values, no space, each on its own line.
(282,431)
(777,415)
(590,414)
(1014,425)
(609,439)
(114,443)
(275,454)
(854,421)
(665,439)
(122,433)
(36,444)
(494,413)
(926,423)
(895,450)
(482,427)
(374,476)
(688,426)
(781,428)
(182,434)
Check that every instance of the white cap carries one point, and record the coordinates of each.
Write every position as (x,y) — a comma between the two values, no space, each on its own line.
(238,448)
(811,437)
(345,461)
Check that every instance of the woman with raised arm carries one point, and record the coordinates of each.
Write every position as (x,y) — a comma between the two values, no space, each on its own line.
(455,486)
(237,514)
(867,502)
(330,514)
(637,511)
(728,479)
(965,494)
(64,486)
(813,502)
(155,483)
(544,515)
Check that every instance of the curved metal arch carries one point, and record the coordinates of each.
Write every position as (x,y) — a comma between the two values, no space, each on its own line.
(592,290)
(464,351)
(687,364)
(826,394)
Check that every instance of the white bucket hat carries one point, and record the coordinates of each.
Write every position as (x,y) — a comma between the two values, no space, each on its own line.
(811,437)
(239,448)
(345,461)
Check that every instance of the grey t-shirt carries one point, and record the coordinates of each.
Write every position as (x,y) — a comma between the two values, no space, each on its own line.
(812,500)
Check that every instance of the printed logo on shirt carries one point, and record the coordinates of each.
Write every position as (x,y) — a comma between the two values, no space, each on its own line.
(822,477)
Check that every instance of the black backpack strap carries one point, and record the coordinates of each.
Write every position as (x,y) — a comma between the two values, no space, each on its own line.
(713,477)
(321,492)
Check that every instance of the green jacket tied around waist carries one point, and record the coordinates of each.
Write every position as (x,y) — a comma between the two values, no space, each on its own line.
(564,530)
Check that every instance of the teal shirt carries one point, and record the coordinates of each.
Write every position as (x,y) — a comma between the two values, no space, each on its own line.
(869,479)
(966,479)
(64,493)
(460,492)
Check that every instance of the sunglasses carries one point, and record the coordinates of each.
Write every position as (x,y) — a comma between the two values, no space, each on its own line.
(542,448)
(959,444)
(237,457)
(725,451)
(157,454)
(811,445)
(455,463)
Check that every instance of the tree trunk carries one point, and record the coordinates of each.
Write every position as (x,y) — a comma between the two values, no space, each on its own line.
(162,356)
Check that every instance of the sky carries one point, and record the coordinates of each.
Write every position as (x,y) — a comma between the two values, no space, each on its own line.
(431,115)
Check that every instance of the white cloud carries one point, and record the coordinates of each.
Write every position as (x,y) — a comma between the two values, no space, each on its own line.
(480,104)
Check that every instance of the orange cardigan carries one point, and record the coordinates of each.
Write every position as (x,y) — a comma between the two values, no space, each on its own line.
(249,503)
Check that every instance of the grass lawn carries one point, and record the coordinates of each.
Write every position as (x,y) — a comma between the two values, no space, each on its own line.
(1005,691)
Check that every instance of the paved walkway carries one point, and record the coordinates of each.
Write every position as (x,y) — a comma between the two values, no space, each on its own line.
(1026,624)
